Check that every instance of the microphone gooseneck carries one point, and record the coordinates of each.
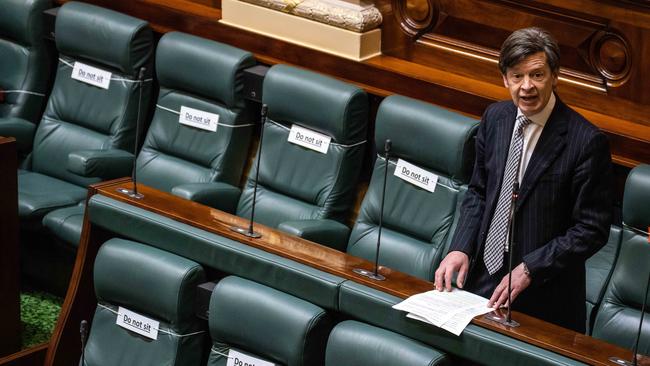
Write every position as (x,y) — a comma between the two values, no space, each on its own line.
(83,333)
(137,130)
(511,246)
(387,148)
(249,231)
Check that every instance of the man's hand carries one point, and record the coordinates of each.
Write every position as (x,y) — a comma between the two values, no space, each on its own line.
(520,281)
(455,261)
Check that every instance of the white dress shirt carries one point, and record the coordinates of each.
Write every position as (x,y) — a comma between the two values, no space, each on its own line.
(532,133)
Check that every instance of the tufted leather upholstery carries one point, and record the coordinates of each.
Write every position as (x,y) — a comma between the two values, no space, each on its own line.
(190,162)
(417,223)
(83,120)
(265,323)
(153,283)
(599,270)
(618,318)
(25,68)
(300,190)
(352,343)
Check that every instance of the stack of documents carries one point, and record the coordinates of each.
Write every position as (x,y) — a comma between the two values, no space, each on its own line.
(451,311)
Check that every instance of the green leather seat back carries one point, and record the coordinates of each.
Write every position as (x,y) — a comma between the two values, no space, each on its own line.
(152,283)
(618,317)
(205,75)
(599,270)
(80,116)
(296,183)
(265,323)
(24,58)
(352,343)
(417,223)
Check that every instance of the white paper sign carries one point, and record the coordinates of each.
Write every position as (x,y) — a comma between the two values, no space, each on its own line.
(198,118)
(309,139)
(137,323)
(416,175)
(91,75)
(236,358)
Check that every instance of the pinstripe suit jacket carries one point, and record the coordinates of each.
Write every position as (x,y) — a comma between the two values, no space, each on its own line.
(562,216)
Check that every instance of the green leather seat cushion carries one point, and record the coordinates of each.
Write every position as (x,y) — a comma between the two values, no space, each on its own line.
(147,279)
(215,251)
(475,343)
(599,270)
(104,36)
(617,320)
(268,323)
(66,223)
(316,101)
(25,62)
(155,284)
(428,136)
(189,63)
(352,343)
(636,210)
(39,194)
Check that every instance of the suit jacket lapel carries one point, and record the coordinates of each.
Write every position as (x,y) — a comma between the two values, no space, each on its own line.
(503,134)
(549,146)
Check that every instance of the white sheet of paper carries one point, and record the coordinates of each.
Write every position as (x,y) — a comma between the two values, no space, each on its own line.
(451,311)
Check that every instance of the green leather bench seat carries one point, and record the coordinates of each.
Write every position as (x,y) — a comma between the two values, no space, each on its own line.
(352,343)
(618,317)
(475,343)
(418,224)
(599,270)
(191,162)
(85,130)
(152,283)
(214,251)
(40,193)
(302,191)
(25,68)
(267,324)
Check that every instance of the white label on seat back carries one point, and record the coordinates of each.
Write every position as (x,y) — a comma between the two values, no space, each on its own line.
(309,139)
(199,119)
(91,75)
(137,323)
(416,175)
(236,358)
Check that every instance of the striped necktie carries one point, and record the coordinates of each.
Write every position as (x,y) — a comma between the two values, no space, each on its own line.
(496,242)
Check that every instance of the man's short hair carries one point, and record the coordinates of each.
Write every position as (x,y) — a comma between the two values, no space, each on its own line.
(525,42)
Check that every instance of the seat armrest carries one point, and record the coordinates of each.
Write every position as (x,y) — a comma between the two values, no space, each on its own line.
(21,129)
(324,231)
(105,164)
(219,195)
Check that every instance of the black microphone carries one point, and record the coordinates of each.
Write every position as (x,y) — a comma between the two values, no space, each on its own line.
(134,193)
(511,249)
(83,331)
(249,231)
(375,275)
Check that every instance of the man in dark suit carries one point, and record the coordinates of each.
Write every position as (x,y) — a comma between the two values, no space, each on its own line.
(560,164)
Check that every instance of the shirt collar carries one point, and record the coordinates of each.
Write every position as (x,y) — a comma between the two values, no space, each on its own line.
(541,117)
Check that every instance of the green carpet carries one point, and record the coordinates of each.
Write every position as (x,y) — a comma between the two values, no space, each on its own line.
(39,312)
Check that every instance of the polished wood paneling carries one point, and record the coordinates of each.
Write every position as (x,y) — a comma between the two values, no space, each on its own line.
(447,56)
(64,349)
(9,254)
